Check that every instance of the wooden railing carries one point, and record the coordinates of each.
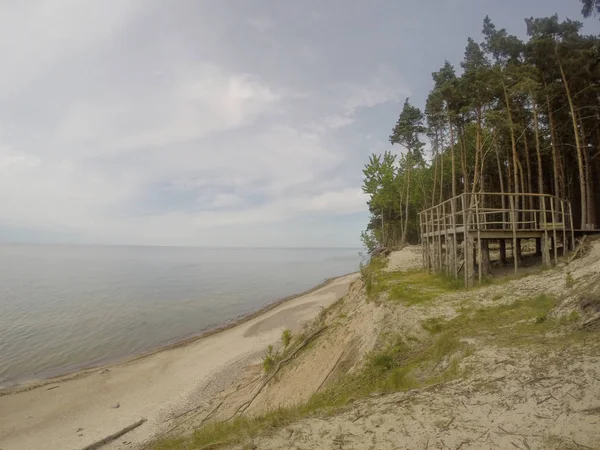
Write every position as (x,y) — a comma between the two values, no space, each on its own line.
(496,211)
(490,215)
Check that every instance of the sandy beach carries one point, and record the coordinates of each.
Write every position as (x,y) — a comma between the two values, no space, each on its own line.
(76,411)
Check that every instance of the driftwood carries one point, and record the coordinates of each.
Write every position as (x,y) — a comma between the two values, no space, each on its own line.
(248,403)
(579,247)
(244,406)
(114,436)
(592,323)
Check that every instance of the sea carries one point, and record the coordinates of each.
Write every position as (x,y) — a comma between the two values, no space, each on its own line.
(65,308)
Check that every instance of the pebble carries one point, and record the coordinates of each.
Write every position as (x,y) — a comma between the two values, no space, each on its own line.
(115,405)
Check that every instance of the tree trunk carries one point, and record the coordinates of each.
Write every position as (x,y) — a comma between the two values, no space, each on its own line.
(558,191)
(405,228)
(382,229)
(435,174)
(582,174)
(453,164)
(463,162)
(538,152)
(513,142)
(441,174)
(589,201)
(502,198)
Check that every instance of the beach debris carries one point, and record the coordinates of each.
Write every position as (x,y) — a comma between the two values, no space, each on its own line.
(115,405)
(53,387)
(104,371)
(114,436)
(78,430)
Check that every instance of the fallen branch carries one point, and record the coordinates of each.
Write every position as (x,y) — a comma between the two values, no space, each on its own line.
(244,406)
(460,267)
(579,247)
(196,410)
(330,372)
(114,436)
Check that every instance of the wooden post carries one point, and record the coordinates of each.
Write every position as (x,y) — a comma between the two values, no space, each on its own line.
(564,223)
(484,259)
(538,246)
(465,239)
(572,228)
(447,255)
(454,243)
(514,228)
(545,250)
(428,250)
(502,244)
(480,259)
(439,233)
(554,232)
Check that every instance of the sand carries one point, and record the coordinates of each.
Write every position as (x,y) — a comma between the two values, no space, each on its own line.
(74,412)
(523,397)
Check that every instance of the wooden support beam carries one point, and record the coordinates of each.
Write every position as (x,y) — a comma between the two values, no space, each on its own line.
(502,244)
(514,230)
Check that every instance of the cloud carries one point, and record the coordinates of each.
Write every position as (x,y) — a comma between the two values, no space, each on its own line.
(261,24)
(193,103)
(135,129)
(36,36)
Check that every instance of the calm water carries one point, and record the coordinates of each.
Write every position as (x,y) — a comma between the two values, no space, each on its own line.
(64,307)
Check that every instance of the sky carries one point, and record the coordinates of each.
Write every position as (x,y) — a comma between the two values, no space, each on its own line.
(215,123)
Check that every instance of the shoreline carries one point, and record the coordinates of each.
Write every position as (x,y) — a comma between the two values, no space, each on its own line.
(84,369)
(83,408)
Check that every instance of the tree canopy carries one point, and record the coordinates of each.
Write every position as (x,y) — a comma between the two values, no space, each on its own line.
(516,116)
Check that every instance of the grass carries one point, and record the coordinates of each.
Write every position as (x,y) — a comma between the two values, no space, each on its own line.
(521,322)
(403,363)
(269,359)
(409,287)
(286,337)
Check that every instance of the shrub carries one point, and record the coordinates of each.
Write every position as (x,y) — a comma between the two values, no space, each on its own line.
(286,337)
(269,359)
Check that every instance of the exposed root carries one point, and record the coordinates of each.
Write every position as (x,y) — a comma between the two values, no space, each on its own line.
(244,406)
(114,436)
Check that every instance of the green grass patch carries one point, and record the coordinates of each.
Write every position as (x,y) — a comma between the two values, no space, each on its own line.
(519,322)
(286,337)
(434,325)
(415,287)
(409,287)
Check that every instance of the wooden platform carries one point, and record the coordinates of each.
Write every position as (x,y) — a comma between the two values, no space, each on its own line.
(456,232)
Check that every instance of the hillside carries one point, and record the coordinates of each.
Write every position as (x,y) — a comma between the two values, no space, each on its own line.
(411,360)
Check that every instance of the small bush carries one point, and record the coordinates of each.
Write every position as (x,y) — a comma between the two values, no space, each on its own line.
(569,281)
(286,337)
(269,359)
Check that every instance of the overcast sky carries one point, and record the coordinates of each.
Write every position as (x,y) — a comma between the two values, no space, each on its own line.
(214,123)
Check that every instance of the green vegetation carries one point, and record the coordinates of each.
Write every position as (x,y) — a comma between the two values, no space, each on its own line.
(520,322)
(410,287)
(405,362)
(269,359)
(286,337)
(520,116)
